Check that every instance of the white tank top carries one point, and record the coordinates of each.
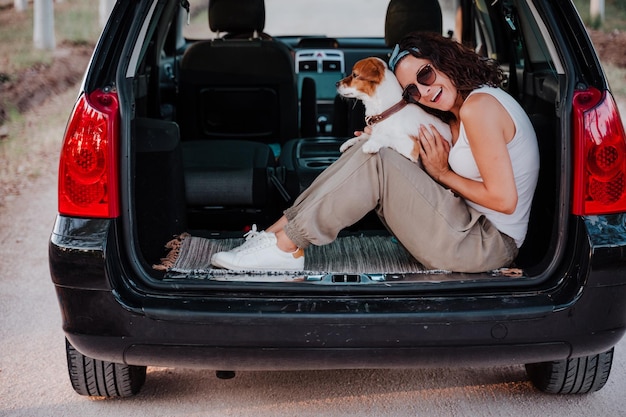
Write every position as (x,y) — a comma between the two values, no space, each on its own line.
(524,156)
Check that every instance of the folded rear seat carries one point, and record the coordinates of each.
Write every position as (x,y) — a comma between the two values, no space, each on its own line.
(237,175)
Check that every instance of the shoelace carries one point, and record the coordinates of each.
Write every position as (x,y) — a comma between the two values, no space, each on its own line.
(251,237)
(250,234)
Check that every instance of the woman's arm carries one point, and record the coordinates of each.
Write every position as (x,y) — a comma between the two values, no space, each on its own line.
(489,128)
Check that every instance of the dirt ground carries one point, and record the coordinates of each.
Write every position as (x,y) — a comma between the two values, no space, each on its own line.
(31,87)
(611,47)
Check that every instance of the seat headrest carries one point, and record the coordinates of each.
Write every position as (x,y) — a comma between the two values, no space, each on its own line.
(406,16)
(236,16)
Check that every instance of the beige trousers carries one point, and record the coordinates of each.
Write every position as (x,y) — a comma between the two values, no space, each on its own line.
(433,224)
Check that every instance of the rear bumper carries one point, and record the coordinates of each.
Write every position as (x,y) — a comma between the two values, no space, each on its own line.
(583,314)
(99,327)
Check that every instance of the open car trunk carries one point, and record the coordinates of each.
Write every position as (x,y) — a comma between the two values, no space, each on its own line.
(197,189)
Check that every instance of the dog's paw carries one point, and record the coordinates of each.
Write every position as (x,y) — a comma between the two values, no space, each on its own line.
(348,144)
(371,147)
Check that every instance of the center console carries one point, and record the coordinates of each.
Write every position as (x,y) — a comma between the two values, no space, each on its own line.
(304,159)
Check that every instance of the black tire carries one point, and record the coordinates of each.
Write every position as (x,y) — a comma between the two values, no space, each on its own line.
(98,378)
(572,376)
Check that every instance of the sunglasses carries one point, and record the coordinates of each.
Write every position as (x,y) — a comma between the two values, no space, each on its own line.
(425,76)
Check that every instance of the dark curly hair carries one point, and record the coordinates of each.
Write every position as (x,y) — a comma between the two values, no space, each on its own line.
(466,69)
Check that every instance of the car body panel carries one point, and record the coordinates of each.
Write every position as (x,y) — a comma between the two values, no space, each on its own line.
(115,308)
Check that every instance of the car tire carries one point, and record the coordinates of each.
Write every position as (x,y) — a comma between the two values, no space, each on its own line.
(572,376)
(98,378)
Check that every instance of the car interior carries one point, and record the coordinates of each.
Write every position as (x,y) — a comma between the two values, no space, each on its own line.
(228,131)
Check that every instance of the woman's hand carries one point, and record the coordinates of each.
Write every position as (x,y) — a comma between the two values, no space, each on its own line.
(434,151)
(488,129)
(366,130)
(359,136)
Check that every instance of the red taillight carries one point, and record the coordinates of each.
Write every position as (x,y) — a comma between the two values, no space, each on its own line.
(88,167)
(599,155)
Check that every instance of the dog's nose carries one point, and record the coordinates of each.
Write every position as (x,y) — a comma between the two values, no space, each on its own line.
(337,83)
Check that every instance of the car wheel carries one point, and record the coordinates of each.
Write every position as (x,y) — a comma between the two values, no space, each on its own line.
(572,376)
(100,378)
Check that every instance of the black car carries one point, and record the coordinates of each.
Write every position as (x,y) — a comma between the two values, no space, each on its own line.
(179,143)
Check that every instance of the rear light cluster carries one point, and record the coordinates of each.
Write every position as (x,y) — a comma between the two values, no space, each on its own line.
(599,155)
(88,178)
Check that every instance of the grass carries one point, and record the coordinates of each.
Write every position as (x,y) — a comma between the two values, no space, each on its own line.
(33,143)
(75,21)
(83,12)
(29,142)
(614,13)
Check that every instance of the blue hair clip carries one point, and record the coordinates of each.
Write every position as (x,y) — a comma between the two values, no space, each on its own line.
(397,55)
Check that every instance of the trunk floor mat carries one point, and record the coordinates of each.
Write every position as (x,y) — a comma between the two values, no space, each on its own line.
(190,257)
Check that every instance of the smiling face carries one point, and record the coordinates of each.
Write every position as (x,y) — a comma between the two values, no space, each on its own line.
(442,94)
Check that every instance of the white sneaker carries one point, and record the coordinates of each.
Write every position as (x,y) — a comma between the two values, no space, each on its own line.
(259,253)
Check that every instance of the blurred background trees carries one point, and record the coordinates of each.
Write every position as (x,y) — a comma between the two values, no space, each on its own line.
(43,24)
(43,19)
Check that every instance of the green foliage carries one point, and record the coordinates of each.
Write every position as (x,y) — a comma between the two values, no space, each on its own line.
(614,14)
(75,21)
(78,23)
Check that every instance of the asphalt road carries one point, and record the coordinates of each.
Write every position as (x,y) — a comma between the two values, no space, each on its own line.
(34,380)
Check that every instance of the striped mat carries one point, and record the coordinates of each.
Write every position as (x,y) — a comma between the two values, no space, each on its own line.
(351,254)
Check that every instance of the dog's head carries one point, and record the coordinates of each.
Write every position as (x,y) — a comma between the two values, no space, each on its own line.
(367,75)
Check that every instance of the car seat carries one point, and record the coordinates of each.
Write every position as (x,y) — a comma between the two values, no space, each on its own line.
(237,97)
(406,16)
(238,86)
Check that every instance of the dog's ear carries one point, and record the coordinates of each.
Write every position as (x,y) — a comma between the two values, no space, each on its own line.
(376,68)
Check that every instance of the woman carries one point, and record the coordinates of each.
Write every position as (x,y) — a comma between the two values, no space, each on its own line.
(466,211)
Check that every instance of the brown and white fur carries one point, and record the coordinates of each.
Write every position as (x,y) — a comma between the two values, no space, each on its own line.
(376,86)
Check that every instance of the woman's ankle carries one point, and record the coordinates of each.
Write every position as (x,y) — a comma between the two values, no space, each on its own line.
(278,226)
(284,243)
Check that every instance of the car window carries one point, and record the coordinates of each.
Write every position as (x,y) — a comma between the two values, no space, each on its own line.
(535,41)
(326,17)
(484,30)
(336,18)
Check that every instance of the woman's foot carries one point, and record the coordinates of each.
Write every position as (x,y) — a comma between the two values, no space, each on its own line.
(260,252)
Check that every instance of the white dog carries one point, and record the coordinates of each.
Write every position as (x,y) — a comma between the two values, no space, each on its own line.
(392,121)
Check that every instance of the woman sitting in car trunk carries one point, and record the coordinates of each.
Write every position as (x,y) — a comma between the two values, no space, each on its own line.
(467,210)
